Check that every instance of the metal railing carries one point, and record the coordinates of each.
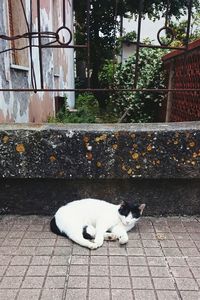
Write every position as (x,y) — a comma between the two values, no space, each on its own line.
(55,42)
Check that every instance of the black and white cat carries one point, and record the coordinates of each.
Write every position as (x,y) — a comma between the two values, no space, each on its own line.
(87,219)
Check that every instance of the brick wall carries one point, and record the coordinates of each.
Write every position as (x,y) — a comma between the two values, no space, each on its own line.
(183,70)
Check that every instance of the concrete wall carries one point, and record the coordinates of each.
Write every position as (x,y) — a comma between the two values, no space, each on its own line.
(45,166)
(58,70)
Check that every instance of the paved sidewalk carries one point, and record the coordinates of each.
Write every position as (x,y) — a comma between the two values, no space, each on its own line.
(161,261)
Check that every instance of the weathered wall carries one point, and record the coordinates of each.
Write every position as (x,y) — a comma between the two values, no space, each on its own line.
(154,163)
(58,70)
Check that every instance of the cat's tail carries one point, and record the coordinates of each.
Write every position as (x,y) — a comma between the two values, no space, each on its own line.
(54,228)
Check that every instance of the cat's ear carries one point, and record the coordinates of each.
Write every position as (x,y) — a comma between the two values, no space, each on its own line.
(123,203)
(141,208)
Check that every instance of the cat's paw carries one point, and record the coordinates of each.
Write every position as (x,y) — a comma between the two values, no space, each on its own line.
(93,246)
(109,236)
(123,240)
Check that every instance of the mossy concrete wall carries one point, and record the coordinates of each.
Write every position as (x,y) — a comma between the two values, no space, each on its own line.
(45,166)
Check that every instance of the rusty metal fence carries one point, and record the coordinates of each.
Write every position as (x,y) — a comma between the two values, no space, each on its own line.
(55,42)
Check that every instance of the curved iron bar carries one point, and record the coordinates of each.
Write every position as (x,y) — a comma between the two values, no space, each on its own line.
(169,32)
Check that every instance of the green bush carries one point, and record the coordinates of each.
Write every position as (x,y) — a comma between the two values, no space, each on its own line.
(142,106)
(86,111)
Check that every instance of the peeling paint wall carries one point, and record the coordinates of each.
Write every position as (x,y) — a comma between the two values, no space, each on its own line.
(58,66)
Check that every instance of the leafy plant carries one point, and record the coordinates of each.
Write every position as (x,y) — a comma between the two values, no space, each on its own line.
(140,106)
(86,111)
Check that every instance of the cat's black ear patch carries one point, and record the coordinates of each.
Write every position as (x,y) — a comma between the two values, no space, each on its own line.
(124,209)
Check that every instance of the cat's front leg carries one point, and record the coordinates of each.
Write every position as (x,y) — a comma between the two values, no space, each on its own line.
(121,233)
(100,232)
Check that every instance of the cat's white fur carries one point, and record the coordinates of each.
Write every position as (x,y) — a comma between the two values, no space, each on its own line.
(99,216)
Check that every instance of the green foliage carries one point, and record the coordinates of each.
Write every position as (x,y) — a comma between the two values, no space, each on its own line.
(106,74)
(86,110)
(143,107)
(180,29)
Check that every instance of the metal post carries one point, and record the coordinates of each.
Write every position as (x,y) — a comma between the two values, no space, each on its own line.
(88,43)
(138,42)
(40,44)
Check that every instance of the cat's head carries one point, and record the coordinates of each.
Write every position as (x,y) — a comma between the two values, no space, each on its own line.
(130,213)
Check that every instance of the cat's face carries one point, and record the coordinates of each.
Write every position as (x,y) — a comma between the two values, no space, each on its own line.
(130,213)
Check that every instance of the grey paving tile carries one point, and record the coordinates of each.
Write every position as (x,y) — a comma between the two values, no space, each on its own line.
(142,283)
(118,251)
(62,250)
(120,282)
(193,261)
(118,294)
(118,260)
(77,282)
(29,242)
(11,282)
(150,244)
(172,252)
(16,270)
(145,294)
(137,261)
(2,270)
(99,282)
(186,284)
(53,294)
(44,250)
(40,260)
(156,261)
(8,294)
(25,251)
(76,294)
(195,271)
(79,260)
(176,261)
(159,272)
(29,294)
(77,250)
(190,252)
(190,295)
(35,227)
(65,260)
(99,251)
(168,244)
(33,282)
(54,282)
(21,260)
(181,272)
(37,271)
(95,294)
(135,251)
(153,252)
(5,260)
(99,260)
(63,242)
(81,270)
(98,270)
(119,270)
(8,250)
(167,295)
(164,283)
(139,271)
